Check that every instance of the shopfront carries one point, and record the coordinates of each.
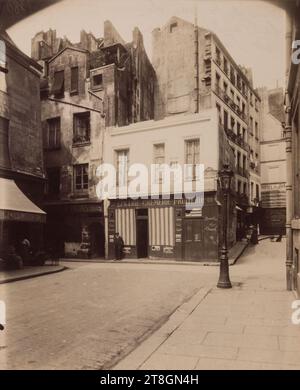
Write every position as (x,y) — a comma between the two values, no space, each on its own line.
(164,228)
(76,230)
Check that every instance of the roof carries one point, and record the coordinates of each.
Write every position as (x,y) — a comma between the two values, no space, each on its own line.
(67,48)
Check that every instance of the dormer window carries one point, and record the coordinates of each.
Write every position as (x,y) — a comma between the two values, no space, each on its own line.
(173,27)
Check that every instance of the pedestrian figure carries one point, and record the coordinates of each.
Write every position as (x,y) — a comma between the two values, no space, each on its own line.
(254,236)
(119,243)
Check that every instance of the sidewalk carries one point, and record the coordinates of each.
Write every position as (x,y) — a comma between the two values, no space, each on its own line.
(246,327)
(234,253)
(29,272)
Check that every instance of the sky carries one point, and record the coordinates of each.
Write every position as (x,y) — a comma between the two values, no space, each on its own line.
(253,31)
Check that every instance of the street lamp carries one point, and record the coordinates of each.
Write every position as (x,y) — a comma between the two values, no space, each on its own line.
(225,177)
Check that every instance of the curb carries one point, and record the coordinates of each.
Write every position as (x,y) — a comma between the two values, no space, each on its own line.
(30,276)
(216,263)
(136,358)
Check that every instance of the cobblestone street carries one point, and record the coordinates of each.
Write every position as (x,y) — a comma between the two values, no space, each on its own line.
(88,317)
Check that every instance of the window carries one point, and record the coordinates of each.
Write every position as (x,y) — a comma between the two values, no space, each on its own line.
(159,158)
(52,134)
(58,87)
(97,81)
(257,193)
(232,123)
(218,56)
(225,120)
(81,177)
(244,164)
(173,27)
(219,112)
(218,78)
(225,87)
(251,125)
(256,130)
(251,98)
(245,188)
(244,135)
(238,162)
(53,184)
(192,157)
(3,69)
(4,150)
(252,190)
(238,129)
(239,187)
(122,164)
(81,128)
(232,75)
(225,65)
(74,80)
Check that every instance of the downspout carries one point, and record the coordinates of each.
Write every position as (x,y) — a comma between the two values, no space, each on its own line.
(196,44)
(289,160)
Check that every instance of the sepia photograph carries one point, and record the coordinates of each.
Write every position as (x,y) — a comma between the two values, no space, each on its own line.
(149,188)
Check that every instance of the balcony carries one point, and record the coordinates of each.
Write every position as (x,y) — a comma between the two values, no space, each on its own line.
(227,99)
(237,139)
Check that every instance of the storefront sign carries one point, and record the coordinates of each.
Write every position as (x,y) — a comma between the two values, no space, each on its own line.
(127,250)
(168,250)
(155,248)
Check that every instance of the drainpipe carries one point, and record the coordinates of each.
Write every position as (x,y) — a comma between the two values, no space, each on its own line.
(289,160)
(196,43)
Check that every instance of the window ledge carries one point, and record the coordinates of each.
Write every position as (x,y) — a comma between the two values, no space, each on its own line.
(80,194)
(78,144)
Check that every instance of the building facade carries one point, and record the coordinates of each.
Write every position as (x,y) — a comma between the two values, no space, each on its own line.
(87,87)
(195,72)
(22,173)
(292,99)
(273,163)
(163,223)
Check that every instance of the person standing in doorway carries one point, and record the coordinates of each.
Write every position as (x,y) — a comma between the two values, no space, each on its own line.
(119,243)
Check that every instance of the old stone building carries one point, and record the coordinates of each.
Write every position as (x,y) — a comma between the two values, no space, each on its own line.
(195,72)
(292,135)
(87,86)
(273,163)
(162,222)
(22,175)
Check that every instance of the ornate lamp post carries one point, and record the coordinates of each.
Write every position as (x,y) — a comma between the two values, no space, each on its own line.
(225,177)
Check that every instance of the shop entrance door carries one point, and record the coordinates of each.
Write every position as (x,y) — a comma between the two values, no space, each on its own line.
(142,240)
(193,239)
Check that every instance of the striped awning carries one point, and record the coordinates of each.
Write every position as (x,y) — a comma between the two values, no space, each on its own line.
(15,206)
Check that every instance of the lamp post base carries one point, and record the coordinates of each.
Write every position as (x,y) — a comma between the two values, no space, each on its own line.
(224,280)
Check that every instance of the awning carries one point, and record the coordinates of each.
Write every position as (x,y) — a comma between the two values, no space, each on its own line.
(15,206)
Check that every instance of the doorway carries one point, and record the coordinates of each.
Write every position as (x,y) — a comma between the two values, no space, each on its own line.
(142,240)
(193,239)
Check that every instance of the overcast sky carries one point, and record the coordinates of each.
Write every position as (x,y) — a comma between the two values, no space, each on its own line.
(253,31)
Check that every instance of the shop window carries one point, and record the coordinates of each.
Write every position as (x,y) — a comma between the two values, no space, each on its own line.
(74,80)
(81,177)
(58,87)
(52,134)
(81,128)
